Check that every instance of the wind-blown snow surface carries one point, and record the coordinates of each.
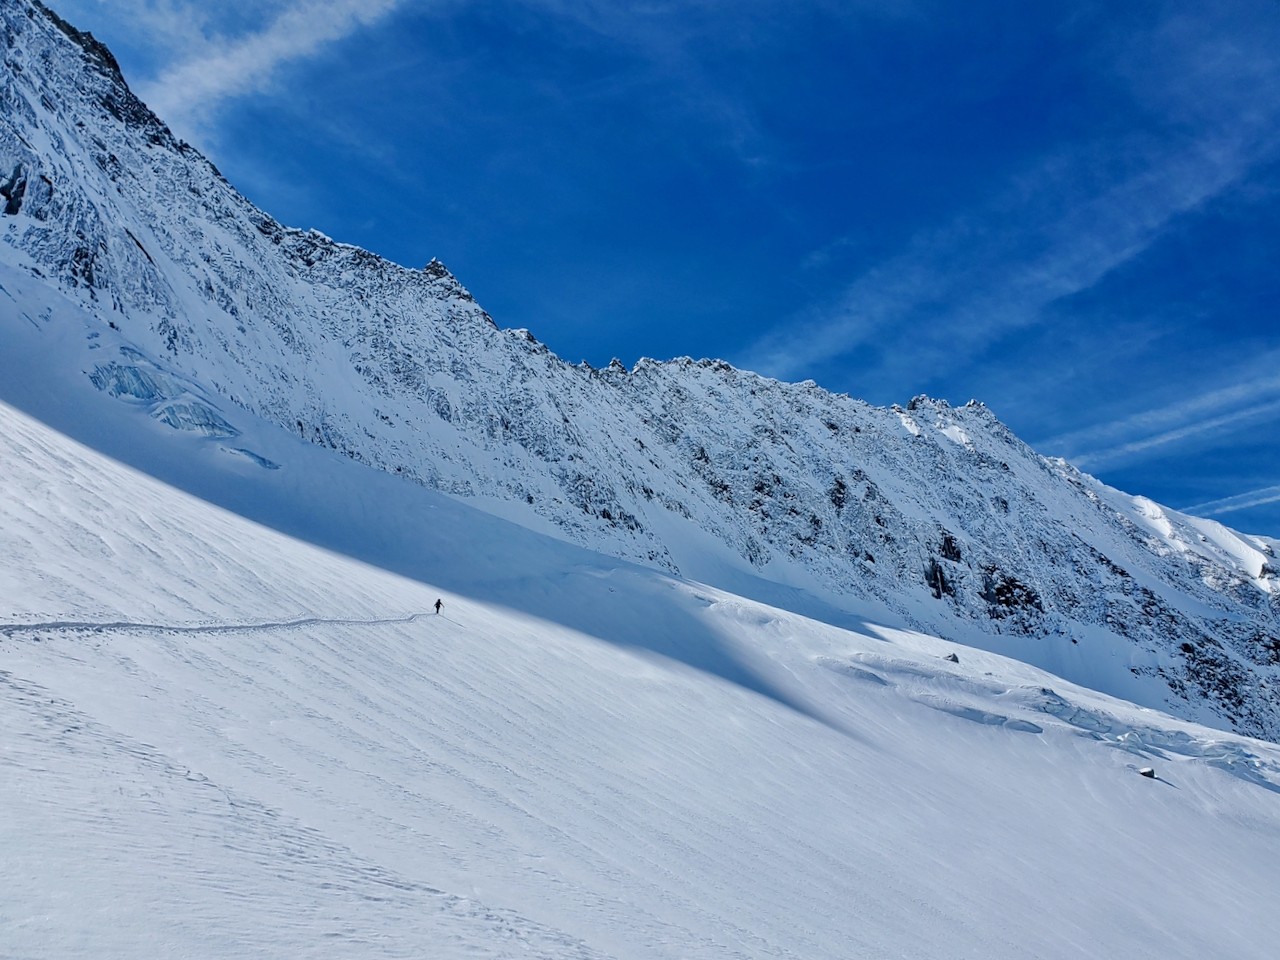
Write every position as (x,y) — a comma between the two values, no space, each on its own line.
(230,725)
(115,235)
(219,741)
(223,741)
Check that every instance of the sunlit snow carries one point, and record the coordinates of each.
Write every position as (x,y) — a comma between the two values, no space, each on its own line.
(223,741)
(723,667)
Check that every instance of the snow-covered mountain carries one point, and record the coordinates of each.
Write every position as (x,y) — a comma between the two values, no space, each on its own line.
(220,741)
(232,724)
(126,258)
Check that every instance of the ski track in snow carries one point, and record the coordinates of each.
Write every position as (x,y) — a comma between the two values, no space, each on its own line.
(223,843)
(358,727)
(74,626)
(488,783)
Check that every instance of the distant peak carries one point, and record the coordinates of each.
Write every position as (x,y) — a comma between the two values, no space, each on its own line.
(116,98)
(924,400)
(95,49)
(437,270)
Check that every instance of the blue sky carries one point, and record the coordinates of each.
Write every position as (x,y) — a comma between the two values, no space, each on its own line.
(1070,211)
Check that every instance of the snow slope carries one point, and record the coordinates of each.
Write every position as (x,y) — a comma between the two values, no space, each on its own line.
(222,741)
(116,236)
(233,727)
(663,714)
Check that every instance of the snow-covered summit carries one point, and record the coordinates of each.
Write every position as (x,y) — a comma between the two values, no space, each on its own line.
(127,258)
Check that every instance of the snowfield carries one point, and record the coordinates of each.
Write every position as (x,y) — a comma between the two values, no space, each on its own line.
(126,256)
(726,668)
(223,741)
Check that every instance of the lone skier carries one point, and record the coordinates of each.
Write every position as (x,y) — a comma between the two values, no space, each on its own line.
(439,604)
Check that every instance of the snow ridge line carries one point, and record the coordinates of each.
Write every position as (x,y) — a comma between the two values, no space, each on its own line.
(68,626)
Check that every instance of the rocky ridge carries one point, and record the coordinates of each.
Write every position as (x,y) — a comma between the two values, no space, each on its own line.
(937,513)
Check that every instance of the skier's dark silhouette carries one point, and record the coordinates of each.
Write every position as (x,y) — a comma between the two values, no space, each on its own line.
(439,604)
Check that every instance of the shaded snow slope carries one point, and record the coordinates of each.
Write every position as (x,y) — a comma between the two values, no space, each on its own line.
(115,236)
(220,741)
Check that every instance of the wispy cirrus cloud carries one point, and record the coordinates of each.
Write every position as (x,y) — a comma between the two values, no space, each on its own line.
(960,287)
(1206,113)
(212,68)
(1261,497)
(162,28)
(1252,396)
(1145,443)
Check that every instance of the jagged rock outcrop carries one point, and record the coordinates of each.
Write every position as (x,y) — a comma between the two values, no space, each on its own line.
(939,513)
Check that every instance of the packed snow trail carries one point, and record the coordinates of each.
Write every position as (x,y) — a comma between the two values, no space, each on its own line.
(199,844)
(72,626)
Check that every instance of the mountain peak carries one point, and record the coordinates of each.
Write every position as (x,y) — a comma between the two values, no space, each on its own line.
(95,51)
(202,307)
(115,95)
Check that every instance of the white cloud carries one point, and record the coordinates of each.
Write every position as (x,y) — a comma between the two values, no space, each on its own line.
(188,91)
(1109,456)
(1253,395)
(1072,219)
(176,25)
(1241,501)
(957,289)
